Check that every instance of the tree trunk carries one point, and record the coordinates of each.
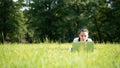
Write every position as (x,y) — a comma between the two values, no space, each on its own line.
(3,38)
(98,30)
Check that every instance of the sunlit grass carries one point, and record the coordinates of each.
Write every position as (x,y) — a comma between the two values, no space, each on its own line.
(46,55)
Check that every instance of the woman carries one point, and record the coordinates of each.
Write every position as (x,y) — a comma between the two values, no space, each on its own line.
(82,36)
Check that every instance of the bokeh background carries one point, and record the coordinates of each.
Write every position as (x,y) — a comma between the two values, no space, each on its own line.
(35,21)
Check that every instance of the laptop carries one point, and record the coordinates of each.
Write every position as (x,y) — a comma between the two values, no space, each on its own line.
(83,46)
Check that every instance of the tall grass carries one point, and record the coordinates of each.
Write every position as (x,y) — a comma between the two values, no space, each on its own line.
(55,55)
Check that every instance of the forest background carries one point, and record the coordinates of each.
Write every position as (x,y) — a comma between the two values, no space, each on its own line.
(35,21)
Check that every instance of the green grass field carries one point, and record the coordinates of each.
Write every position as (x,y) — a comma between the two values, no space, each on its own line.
(46,55)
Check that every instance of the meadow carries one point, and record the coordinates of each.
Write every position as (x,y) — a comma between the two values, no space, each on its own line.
(57,55)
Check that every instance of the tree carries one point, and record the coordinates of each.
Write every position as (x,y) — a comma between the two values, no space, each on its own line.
(58,20)
(105,19)
(12,28)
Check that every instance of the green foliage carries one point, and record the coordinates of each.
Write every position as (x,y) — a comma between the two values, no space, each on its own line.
(12,27)
(57,56)
(58,20)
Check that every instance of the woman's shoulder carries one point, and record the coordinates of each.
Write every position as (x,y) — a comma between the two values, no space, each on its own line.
(76,39)
(89,40)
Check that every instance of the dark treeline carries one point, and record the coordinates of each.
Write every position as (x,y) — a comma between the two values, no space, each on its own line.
(34,21)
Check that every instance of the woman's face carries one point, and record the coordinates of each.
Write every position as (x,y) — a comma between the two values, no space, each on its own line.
(83,36)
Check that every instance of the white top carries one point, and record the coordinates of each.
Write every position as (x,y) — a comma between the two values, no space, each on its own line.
(77,40)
